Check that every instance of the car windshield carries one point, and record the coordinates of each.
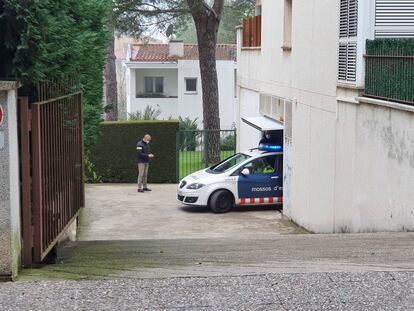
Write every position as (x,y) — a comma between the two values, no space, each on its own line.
(229,163)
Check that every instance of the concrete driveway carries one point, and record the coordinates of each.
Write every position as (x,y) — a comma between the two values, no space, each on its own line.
(127,235)
(119,212)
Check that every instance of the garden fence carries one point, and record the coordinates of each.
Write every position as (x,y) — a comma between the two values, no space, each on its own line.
(390,70)
(192,147)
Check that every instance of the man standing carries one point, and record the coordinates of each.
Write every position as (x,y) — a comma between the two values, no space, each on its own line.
(144,155)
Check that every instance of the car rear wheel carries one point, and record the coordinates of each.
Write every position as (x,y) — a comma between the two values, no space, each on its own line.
(221,201)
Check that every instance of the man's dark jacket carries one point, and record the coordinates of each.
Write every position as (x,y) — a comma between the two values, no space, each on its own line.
(143,150)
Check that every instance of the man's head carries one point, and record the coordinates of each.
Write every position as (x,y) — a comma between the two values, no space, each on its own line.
(147,138)
(267,134)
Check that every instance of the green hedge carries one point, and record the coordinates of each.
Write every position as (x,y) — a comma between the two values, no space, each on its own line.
(390,77)
(114,155)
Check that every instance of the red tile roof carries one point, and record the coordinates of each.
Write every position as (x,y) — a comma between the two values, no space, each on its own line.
(159,52)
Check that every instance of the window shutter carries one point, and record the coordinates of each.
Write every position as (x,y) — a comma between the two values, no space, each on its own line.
(342,62)
(347,62)
(353,18)
(348,31)
(394,18)
(348,26)
(352,61)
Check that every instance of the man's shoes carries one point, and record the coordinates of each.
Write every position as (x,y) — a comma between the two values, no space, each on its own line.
(147,189)
(140,190)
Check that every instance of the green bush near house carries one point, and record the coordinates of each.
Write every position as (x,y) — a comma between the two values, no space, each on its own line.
(114,154)
(148,114)
(188,135)
(150,95)
(228,142)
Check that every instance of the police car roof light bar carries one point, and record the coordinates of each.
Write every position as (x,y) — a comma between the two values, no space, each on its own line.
(271,147)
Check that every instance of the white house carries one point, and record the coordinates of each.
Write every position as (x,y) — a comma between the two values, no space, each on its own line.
(167,77)
(349,143)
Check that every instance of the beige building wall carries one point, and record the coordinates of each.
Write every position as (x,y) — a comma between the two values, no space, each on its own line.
(307,76)
(349,162)
(374,167)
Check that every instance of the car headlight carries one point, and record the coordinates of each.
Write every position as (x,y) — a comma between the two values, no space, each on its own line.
(195,186)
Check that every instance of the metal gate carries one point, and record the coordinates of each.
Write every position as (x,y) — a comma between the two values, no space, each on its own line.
(192,146)
(51,142)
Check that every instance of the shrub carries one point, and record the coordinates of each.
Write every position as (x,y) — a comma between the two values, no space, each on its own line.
(114,154)
(188,136)
(150,95)
(148,114)
(90,174)
(46,40)
(228,143)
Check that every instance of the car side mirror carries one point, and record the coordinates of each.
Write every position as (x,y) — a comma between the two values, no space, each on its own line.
(245,172)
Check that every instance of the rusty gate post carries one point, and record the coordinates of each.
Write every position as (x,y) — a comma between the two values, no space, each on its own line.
(82,151)
(26,205)
(37,182)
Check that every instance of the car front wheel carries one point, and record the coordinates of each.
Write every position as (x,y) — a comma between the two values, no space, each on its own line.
(221,201)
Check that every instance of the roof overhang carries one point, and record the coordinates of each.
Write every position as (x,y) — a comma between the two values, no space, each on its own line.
(138,65)
(264,123)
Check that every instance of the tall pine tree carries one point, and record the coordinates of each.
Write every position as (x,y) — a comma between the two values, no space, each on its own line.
(47,39)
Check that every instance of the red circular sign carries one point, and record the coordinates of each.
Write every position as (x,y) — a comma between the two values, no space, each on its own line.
(1,114)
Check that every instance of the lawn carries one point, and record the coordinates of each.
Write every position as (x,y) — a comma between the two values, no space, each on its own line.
(192,161)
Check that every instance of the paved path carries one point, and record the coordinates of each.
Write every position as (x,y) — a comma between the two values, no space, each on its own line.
(215,257)
(118,212)
(145,252)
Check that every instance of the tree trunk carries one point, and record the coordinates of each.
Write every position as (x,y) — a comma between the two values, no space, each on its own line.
(207,23)
(111,87)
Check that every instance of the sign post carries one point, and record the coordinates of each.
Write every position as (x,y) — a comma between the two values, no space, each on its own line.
(1,114)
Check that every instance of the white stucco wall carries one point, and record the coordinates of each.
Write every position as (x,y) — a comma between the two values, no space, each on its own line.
(191,104)
(167,106)
(306,75)
(170,79)
(375,164)
(247,136)
(351,164)
(186,104)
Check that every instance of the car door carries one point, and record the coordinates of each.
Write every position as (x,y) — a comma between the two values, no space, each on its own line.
(264,183)
(277,178)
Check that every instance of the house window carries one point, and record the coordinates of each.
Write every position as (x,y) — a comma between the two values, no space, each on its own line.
(394,19)
(348,32)
(154,84)
(191,85)
(287,26)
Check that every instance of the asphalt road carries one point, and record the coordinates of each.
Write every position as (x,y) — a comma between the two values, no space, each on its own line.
(295,291)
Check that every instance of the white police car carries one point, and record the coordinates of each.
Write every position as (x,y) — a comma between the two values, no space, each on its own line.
(253,177)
